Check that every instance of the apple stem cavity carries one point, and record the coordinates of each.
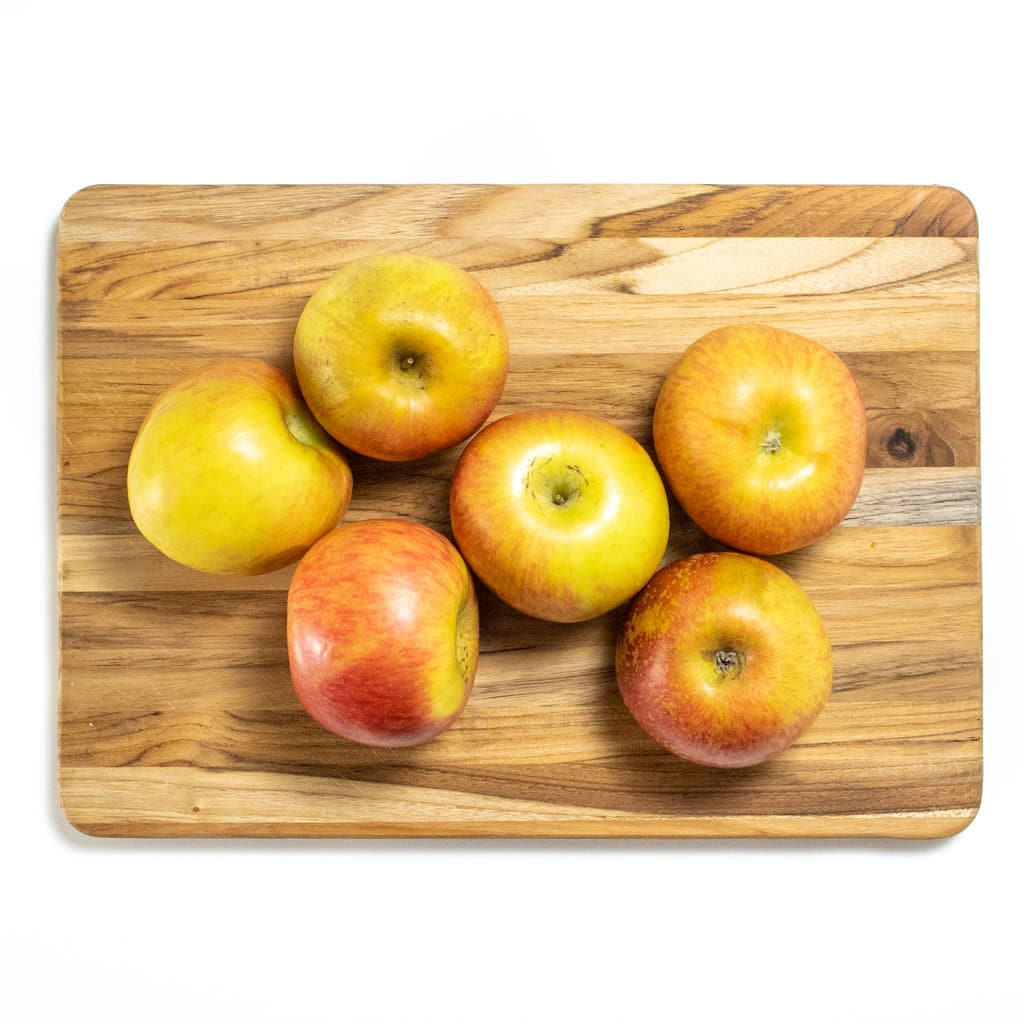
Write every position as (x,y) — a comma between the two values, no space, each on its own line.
(302,427)
(553,482)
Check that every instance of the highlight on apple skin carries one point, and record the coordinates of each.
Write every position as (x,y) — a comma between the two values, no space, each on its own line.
(762,436)
(561,514)
(229,473)
(401,355)
(383,632)
(723,660)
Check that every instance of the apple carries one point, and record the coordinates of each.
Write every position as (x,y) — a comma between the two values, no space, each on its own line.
(723,659)
(383,632)
(229,473)
(762,436)
(400,355)
(561,514)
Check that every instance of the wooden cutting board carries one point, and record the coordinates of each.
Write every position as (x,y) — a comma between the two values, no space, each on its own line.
(177,716)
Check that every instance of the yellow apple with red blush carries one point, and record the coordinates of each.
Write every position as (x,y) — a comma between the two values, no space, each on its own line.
(561,514)
(723,660)
(762,436)
(401,355)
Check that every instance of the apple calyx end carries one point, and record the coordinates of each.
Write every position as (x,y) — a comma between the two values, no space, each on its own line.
(412,366)
(728,662)
(465,648)
(772,442)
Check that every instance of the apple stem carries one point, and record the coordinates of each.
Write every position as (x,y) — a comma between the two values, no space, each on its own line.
(772,442)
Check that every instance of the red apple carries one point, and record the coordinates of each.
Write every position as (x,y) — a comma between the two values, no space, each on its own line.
(762,437)
(561,514)
(230,473)
(383,632)
(401,355)
(723,660)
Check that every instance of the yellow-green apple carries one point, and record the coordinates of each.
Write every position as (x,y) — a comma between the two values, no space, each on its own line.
(723,659)
(383,632)
(762,436)
(562,515)
(400,355)
(229,472)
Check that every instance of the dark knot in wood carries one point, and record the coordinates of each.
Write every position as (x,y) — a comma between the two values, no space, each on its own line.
(901,445)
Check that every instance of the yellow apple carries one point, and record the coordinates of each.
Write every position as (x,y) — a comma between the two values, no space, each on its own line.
(561,514)
(229,473)
(762,436)
(400,355)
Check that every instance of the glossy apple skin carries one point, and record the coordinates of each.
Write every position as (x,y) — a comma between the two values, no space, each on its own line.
(746,705)
(230,474)
(735,395)
(383,632)
(561,514)
(400,355)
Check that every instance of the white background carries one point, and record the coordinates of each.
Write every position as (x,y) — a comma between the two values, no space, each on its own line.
(479,931)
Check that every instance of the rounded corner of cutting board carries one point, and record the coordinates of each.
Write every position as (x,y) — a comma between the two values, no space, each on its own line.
(71,814)
(77,198)
(960,208)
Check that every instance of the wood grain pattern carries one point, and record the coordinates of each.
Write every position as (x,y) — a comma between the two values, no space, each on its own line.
(177,716)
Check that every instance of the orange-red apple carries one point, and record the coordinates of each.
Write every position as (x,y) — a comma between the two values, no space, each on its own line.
(762,436)
(229,473)
(401,355)
(383,632)
(562,515)
(723,659)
